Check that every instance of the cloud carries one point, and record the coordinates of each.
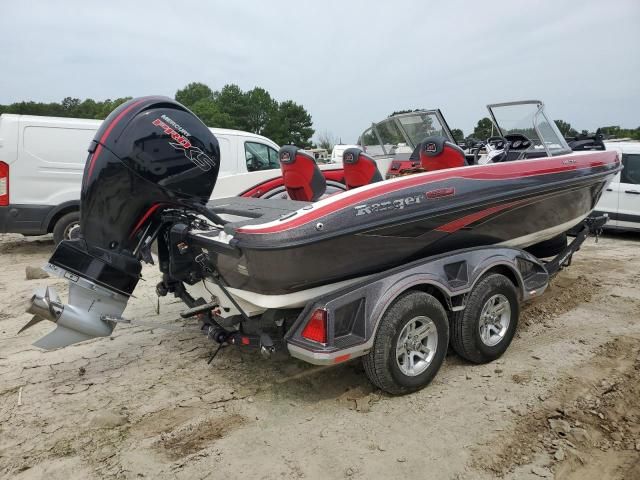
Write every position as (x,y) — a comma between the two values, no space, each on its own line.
(348,62)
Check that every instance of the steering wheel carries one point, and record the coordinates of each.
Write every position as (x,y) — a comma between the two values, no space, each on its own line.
(474,147)
(499,143)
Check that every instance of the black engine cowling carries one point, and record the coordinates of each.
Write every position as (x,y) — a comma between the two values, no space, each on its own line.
(149,154)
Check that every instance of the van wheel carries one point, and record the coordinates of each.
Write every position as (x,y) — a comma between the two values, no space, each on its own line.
(483,331)
(67,227)
(410,345)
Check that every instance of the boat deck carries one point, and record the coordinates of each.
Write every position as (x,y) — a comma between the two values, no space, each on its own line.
(250,211)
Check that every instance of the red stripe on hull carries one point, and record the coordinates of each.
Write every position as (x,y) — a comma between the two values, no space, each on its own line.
(473,217)
(498,171)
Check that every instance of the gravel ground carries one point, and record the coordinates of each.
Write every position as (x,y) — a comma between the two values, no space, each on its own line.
(562,402)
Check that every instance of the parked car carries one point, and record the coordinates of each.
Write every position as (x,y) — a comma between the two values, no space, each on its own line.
(621,200)
(42,161)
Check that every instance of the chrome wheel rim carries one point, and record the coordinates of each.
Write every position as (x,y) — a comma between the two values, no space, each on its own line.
(494,320)
(416,346)
(72,231)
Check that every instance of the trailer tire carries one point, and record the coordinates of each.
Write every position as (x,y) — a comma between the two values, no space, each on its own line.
(483,331)
(67,227)
(391,363)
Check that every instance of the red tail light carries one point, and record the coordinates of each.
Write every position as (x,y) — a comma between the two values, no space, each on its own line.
(4,184)
(316,329)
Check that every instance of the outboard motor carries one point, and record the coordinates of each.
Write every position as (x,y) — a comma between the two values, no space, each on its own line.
(149,155)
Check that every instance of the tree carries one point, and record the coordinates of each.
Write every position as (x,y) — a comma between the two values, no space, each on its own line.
(290,125)
(566,129)
(192,93)
(458,135)
(108,106)
(232,101)
(400,112)
(614,131)
(484,129)
(70,104)
(261,107)
(230,107)
(327,140)
(207,110)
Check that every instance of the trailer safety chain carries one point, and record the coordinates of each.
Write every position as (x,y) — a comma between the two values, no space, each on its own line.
(137,323)
(201,259)
(220,347)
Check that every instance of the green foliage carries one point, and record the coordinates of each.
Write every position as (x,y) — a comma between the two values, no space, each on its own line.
(253,111)
(484,129)
(566,129)
(327,140)
(69,107)
(400,112)
(291,124)
(193,93)
(208,111)
(614,131)
(458,135)
(232,101)
(260,109)
(230,107)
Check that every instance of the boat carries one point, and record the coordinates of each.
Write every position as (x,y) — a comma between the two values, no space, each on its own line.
(153,165)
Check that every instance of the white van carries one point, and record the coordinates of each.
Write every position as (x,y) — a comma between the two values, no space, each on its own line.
(338,150)
(42,160)
(621,199)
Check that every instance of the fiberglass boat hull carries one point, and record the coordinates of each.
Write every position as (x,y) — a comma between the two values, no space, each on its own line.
(370,229)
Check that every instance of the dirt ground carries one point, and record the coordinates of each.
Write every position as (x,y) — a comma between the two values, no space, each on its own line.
(563,402)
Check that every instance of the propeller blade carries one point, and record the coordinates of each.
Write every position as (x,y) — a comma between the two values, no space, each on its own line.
(31,323)
(51,295)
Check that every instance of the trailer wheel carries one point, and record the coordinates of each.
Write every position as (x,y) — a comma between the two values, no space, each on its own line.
(67,227)
(410,344)
(483,331)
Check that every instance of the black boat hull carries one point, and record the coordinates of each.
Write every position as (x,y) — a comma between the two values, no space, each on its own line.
(517,204)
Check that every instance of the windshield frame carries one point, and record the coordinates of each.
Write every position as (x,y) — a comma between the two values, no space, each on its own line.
(396,121)
(564,147)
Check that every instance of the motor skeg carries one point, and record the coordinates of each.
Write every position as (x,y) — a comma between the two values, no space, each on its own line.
(150,153)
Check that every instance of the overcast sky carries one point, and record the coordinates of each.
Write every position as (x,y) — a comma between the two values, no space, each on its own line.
(348,62)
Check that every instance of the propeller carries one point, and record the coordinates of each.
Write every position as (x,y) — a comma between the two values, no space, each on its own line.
(44,306)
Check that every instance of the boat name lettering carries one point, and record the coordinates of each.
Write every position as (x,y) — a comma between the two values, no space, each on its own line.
(396,204)
(441,192)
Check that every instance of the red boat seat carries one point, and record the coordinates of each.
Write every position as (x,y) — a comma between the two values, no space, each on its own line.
(359,168)
(302,177)
(437,153)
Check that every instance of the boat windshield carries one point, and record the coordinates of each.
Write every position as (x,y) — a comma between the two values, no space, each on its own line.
(528,118)
(401,133)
